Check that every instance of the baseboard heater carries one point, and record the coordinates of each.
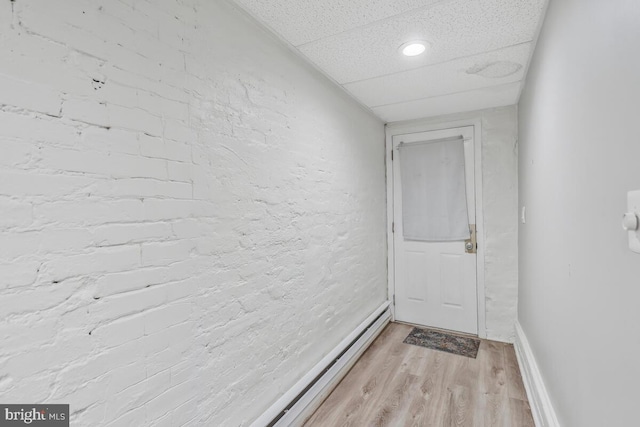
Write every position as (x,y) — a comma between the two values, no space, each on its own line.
(299,402)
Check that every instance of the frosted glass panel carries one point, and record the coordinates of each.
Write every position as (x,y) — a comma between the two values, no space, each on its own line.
(434,200)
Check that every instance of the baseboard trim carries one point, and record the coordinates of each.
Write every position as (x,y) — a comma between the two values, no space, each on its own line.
(541,408)
(309,393)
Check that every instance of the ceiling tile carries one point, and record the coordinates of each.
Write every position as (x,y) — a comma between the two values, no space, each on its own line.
(455,29)
(303,21)
(479,49)
(497,96)
(486,69)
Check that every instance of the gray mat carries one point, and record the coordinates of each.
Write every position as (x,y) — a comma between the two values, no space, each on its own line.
(442,341)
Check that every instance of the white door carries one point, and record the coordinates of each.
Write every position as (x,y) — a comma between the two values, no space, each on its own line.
(435,282)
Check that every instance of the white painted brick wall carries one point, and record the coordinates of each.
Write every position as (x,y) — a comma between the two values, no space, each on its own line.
(191,217)
(500,194)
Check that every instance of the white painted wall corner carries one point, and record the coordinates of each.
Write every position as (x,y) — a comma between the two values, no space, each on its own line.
(541,408)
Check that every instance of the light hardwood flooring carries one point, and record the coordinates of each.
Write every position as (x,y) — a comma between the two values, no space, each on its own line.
(396,384)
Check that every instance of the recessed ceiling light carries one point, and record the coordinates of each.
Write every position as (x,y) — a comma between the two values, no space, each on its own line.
(413,48)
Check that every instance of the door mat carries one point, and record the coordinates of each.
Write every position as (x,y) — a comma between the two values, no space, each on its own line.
(441,341)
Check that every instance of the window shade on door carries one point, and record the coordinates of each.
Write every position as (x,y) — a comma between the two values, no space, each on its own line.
(434,200)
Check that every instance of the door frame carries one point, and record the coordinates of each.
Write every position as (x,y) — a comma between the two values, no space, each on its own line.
(414,126)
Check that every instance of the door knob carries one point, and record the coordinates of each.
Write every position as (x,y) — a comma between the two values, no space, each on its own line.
(470,244)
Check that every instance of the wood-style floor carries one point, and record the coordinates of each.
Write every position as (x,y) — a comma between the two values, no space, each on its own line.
(396,384)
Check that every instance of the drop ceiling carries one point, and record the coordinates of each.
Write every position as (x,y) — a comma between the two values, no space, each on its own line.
(478,55)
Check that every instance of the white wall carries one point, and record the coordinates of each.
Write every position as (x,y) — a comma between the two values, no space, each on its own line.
(579,155)
(500,200)
(191,216)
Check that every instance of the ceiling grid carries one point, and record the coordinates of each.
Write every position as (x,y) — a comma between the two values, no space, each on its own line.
(476,57)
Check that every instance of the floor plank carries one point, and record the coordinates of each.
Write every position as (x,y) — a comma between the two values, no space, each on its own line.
(396,384)
(514,377)
(520,413)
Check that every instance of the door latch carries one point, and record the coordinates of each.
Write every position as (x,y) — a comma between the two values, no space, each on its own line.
(471,245)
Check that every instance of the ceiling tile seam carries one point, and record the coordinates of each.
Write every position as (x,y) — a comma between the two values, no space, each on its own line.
(436,63)
(301,56)
(446,94)
(491,86)
(372,23)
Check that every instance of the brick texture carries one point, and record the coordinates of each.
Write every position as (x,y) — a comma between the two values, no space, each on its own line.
(191,217)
